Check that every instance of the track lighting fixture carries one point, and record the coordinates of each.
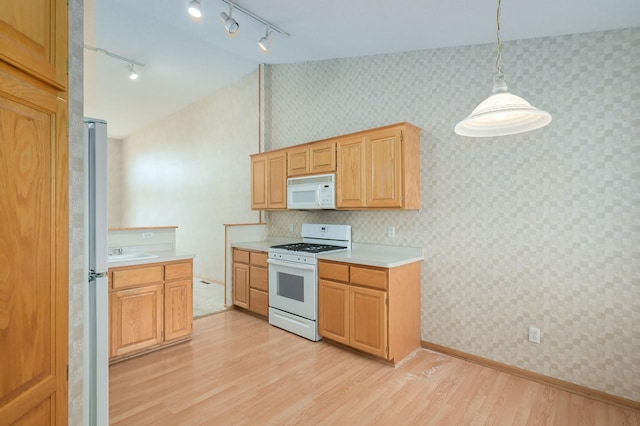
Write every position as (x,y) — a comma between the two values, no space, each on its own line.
(230,24)
(265,42)
(195,9)
(502,113)
(131,64)
(133,75)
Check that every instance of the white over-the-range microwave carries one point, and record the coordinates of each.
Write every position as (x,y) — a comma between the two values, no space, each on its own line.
(312,192)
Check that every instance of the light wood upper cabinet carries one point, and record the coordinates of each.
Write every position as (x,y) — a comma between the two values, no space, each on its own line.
(312,158)
(269,181)
(352,174)
(375,169)
(33,38)
(379,169)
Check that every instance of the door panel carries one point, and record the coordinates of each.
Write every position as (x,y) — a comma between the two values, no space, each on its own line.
(178,309)
(33,36)
(333,315)
(33,249)
(368,320)
(384,162)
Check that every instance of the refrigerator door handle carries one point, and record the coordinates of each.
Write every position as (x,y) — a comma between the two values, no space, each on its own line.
(95,275)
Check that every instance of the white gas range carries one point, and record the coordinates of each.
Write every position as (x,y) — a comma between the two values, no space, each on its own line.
(293,277)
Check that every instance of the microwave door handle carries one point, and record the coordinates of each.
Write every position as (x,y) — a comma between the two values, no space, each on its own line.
(291,265)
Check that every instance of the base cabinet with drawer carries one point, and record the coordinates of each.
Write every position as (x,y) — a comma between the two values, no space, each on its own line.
(150,306)
(371,309)
(251,281)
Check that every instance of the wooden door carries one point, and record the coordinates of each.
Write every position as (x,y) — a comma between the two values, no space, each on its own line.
(241,285)
(384,169)
(178,309)
(368,320)
(333,311)
(259,182)
(34,245)
(136,318)
(351,173)
(322,158)
(33,38)
(277,181)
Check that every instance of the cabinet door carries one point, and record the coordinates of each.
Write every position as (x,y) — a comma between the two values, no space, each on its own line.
(384,169)
(178,309)
(136,319)
(259,182)
(322,158)
(351,173)
(368,320)
(277,181)
(34,246)
(259,302)
(297,161)
(333,311)
(241,285)
(33,37)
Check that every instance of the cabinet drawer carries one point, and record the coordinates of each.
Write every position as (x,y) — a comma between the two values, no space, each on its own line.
(333,271)
(258,278)
(241,256)
(178,270)
(137,276)
(259,302)
(370,277)
(258,259)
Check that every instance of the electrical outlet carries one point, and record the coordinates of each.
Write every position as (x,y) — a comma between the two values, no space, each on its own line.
(291,227)
(534,334)
(147,235)
(391,232)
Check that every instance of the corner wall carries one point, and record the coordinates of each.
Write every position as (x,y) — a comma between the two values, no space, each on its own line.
(533,229)
(192,169)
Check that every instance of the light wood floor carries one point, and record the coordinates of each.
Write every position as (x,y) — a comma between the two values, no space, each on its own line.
(239,370)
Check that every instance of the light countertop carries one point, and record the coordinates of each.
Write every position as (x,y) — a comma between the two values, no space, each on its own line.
(377,255)
(160,257)
(364,254)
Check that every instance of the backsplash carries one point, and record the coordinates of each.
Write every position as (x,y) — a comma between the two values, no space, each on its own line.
(533,229)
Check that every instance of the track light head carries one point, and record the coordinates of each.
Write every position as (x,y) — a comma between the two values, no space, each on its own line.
(133,75)
(195,9)
(265,42)
(230,24)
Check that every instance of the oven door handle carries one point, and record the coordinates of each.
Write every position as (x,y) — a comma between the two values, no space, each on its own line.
(291,265)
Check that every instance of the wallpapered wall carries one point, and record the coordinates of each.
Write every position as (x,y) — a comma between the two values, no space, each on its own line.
(192,170)
(534,229)
(76,213)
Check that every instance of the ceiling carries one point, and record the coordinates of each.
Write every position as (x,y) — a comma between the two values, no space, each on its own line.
(186,60)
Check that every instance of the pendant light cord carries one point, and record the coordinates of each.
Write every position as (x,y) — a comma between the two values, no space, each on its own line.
(499,76)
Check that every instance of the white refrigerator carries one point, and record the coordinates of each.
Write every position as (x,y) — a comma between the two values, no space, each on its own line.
(96,294)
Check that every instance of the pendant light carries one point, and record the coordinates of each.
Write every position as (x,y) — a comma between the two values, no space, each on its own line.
(502,113)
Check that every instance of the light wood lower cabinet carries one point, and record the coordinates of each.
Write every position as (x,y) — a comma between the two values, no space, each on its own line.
(251,281)
(150,306)
(375,310)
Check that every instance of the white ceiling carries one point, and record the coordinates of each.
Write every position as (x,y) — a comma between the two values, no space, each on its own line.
(187,60)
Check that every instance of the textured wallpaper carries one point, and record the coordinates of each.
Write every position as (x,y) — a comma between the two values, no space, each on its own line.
(76,213)
(534,229)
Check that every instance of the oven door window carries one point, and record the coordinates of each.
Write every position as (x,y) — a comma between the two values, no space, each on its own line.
(291,286)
